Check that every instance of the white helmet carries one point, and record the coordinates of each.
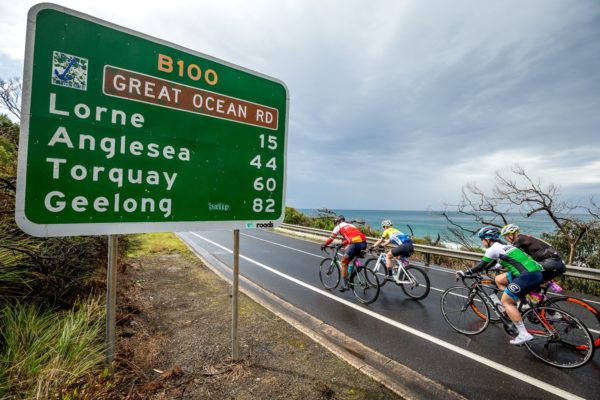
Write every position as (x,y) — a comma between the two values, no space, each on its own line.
(385,223)
(508,229)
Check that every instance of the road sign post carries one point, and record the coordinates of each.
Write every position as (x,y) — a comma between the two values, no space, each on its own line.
(125,133)
(111,303)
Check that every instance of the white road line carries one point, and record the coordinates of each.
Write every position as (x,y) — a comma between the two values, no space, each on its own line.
(475,357)
(282,245)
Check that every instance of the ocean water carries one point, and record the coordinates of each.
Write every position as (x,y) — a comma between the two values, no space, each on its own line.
(432,223)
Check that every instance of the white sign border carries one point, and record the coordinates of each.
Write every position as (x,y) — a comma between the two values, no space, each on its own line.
(52,230)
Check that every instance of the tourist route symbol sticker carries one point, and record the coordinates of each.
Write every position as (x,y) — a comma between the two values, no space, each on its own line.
(69,71)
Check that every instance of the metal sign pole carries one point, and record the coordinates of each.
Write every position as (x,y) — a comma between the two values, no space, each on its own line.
(235,350)
(111,303)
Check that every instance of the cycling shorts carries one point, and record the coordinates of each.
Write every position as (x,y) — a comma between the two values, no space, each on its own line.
(353,249)
(553,267)
(404,250)
(521,285)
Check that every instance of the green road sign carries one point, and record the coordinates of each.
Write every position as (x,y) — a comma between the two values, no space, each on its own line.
(123,133)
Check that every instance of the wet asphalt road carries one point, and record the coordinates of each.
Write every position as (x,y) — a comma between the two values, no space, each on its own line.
(411,332)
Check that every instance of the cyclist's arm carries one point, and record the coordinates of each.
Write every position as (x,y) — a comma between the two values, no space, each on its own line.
(378,242)
(484,264)
(330,239)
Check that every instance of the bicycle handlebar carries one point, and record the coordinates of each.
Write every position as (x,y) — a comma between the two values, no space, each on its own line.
(476,276)
(332,246)
(376,250)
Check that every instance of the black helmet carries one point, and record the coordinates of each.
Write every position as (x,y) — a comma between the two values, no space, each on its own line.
(339,218)
(489,232)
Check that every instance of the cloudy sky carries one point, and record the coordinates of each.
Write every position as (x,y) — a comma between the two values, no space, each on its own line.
(398,104)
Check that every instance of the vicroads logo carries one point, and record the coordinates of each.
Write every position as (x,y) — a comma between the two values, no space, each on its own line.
(260,225)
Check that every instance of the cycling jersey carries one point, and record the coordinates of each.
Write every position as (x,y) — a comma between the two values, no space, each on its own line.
(515,260)
(349,232)
(395,236)
(543,253)
(536,248)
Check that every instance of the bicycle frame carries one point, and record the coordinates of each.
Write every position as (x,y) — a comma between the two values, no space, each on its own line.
(336,255)
(361,279)
(477,287)
(398,268)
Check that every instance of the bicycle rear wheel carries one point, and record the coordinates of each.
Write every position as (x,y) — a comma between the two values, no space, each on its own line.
(365,285)
(420,286)
(329,273)
(587,314)
(464,310)
(379,270)
(559,339)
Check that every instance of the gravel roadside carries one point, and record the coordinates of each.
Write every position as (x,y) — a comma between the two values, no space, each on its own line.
(175,341)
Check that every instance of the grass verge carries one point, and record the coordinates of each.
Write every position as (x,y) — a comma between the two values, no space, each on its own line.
(44,352)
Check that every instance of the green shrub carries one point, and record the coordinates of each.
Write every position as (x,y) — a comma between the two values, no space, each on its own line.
(588,248)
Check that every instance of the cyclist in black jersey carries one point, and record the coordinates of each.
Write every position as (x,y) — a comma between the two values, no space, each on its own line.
(537,249)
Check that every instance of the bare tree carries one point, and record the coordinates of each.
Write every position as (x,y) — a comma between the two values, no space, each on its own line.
(520,192)
(483,209)
(10,95)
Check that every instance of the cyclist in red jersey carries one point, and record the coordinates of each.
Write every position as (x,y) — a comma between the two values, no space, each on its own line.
(354,240)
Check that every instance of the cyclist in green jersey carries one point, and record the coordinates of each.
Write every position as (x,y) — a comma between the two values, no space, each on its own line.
(524,275)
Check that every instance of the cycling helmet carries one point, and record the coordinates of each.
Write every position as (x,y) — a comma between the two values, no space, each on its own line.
(338,219)
(489,232)
(508,229)
(385,223)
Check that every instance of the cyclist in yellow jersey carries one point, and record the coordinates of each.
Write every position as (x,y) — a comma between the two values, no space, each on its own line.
(404,245)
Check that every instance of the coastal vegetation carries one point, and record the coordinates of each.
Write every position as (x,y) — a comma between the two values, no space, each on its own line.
(576,224)
(51,307)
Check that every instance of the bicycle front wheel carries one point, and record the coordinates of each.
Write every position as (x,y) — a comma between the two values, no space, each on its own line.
(379,269)
(587,314)
(329,273)
(464,310)
(365,285)
(419,287)
(559,339)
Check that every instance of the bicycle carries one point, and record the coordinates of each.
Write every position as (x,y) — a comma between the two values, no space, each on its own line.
(412,279)
(361,279)
(586,313)
(560,339)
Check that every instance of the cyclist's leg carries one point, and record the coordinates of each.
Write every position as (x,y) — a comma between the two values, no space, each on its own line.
(345,261)
(516,290)
(502,280)
(351,251)
(389,262)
